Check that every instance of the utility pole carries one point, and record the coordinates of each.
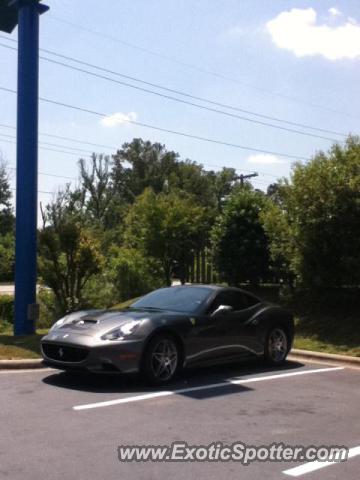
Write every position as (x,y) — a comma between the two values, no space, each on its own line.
(243,177)
(25,14)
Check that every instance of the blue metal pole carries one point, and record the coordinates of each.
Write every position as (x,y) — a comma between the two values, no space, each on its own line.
(27,167)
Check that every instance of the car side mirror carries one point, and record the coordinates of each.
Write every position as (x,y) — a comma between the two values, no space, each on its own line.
(222,310)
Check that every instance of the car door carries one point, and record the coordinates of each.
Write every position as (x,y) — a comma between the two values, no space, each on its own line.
(215,337)
(233,329)
(236,331)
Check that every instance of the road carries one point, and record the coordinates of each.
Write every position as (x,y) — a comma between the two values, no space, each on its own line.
(9,288)
(57,426)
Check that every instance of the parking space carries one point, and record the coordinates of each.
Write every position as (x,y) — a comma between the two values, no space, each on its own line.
(66,426)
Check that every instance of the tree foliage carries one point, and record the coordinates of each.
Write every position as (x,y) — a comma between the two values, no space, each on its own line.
(151,211)
(69,252)
(69,256)
(316,228)
(141,164)
(168,227)
(7,223)
(133,274)
(239,240)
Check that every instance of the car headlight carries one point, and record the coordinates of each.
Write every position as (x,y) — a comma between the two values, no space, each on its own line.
(123,331)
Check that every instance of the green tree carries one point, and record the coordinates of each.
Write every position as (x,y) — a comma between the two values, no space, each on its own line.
(168,227)
(240,244)
(139,165)
(69,257)
(223,183)
(7,257)
(283,253)
(101,202)
(69,250)
(96,183)
(6,212)
(7,222)
(316,228)
(190,177)
(66,204)
(133,274)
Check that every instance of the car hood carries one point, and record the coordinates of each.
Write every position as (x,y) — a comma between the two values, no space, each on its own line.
(95,322)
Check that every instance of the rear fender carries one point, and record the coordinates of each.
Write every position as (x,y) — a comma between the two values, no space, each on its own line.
(271,316)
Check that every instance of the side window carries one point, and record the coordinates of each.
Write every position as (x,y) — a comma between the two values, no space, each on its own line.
(250,300)
(238,301)
(220,299)
(234,299)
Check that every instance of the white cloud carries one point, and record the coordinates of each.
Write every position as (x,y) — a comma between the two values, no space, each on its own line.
(264,159)
(118,119)
(335,12)
(297,30)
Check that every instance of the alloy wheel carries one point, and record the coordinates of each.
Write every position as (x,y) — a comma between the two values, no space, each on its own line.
(278,345)
(164,359)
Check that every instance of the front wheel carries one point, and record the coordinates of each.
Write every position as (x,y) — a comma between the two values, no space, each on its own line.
(161,359)
(276,346)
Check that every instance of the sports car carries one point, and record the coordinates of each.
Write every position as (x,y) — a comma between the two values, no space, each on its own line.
(168,329)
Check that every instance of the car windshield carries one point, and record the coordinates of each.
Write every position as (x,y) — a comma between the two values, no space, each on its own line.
(177,299)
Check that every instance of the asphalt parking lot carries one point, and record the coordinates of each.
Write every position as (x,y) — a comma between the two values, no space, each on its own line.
(59,426)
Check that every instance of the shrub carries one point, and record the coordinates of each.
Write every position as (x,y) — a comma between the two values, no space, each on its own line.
(99,292)
(6,310)
(48,310)
(132,274)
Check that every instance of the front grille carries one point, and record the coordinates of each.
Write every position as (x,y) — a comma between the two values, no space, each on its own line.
(64,353)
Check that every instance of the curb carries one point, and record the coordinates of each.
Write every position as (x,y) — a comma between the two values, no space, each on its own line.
(331,358)
(21,364)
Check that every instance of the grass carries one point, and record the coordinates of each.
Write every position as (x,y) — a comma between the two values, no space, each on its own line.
(336,333)
(12,347)
(318,345)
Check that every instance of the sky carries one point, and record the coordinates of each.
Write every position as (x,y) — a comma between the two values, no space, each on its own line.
(292,60)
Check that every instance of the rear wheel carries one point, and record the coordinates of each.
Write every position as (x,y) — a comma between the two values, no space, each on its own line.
(276,346)
(161,359)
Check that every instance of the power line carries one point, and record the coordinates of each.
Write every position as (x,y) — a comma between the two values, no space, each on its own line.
(178,92)
(44,148)
(200,69)
(47,174)
(53,145)
(39,191)
(211,165)
(238,169)
(184,102)
(166,130)
(70,139)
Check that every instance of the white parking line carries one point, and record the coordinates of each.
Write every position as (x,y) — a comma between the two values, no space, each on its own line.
(316,465)
(233,381)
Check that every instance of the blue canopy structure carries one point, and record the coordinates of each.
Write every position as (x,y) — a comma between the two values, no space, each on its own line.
(25,14)
(8,16)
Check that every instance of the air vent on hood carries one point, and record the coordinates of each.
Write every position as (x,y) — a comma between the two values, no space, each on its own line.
(85,321)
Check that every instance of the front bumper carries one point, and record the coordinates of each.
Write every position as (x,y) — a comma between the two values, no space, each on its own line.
(82,352)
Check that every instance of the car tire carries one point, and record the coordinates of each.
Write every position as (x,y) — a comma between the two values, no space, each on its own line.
(277,345)
(161,360)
